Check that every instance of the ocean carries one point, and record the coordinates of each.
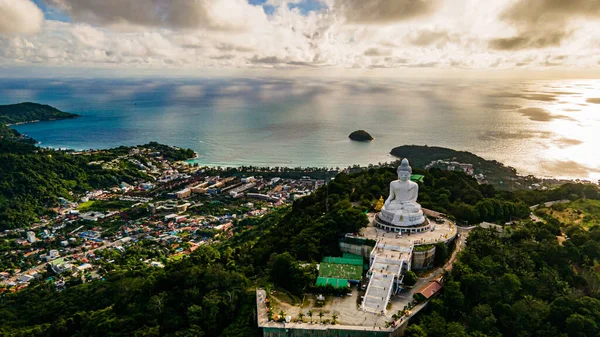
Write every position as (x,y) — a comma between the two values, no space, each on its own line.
(549,128)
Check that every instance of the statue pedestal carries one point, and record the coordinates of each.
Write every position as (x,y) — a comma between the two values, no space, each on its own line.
(402,221)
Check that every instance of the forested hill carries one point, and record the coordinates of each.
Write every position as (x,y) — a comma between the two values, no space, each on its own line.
(420,156)
(502,284)
(30,112)
(33,178)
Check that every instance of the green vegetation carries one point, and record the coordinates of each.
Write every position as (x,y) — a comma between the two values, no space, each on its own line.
(103,206)
(30,112)
(33,178)
(198,296)
(420,156)
(171,152)
(410,278)
(523,285)
(583,212)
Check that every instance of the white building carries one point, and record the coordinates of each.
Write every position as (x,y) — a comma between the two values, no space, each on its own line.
(31,237)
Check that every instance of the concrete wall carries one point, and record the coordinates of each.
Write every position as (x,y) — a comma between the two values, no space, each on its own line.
(362,250)
(422,259)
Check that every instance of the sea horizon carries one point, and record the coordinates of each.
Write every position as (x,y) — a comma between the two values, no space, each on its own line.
(540,127)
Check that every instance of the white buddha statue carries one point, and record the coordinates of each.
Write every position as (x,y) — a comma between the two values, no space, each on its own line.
(401,207)
(403,192)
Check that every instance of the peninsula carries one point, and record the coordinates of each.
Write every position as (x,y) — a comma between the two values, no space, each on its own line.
(31,112)
(27,113)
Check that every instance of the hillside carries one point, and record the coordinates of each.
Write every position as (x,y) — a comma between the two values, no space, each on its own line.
(33,178)
(211,293)
(421,156)
(31,112)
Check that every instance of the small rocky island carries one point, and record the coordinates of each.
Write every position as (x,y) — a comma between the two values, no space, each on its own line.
(361,136)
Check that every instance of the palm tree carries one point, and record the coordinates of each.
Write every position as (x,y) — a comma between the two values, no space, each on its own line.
(310,314)
(334,318)
(282,315)
(321,314)
(301,316)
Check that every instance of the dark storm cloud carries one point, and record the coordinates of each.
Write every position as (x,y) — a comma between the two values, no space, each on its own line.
(542,23)
(541,115)
(385,11)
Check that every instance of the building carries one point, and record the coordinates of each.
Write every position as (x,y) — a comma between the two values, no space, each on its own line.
(185,193)
(54,254)
(31,237)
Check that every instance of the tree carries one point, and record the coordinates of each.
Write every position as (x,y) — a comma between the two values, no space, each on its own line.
(334,318)
(410,278)
(310,314)
(301,317)
(321,314)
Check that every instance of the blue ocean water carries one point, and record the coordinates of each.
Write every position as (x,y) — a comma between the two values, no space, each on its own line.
(547,128)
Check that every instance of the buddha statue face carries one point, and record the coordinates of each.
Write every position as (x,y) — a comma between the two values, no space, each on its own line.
(404,170)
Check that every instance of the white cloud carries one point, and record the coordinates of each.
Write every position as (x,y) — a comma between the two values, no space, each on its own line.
(19,16)
(180,14)
(231,34)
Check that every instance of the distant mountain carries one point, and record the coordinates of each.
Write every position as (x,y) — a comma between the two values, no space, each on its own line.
(31,112)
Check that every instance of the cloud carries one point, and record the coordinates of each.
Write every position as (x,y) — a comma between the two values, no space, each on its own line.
(377,52)
(541,115)
(561,168)
(543,23)
(426,37)
(527,41)
(385,11)
(20,17)
(595,100)
(566,142)
(181,14)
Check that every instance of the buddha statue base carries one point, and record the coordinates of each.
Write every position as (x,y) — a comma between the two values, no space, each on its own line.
(401,218)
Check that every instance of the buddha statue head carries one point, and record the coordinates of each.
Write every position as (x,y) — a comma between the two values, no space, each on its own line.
(404,170)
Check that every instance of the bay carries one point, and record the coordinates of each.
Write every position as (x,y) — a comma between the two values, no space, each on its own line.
(549,128)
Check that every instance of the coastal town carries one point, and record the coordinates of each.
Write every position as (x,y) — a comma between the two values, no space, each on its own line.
(166,216)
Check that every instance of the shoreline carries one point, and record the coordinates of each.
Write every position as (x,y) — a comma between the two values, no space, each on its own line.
(290,165)
(43,120)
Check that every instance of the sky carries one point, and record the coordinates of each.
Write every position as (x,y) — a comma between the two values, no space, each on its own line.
(364,37)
